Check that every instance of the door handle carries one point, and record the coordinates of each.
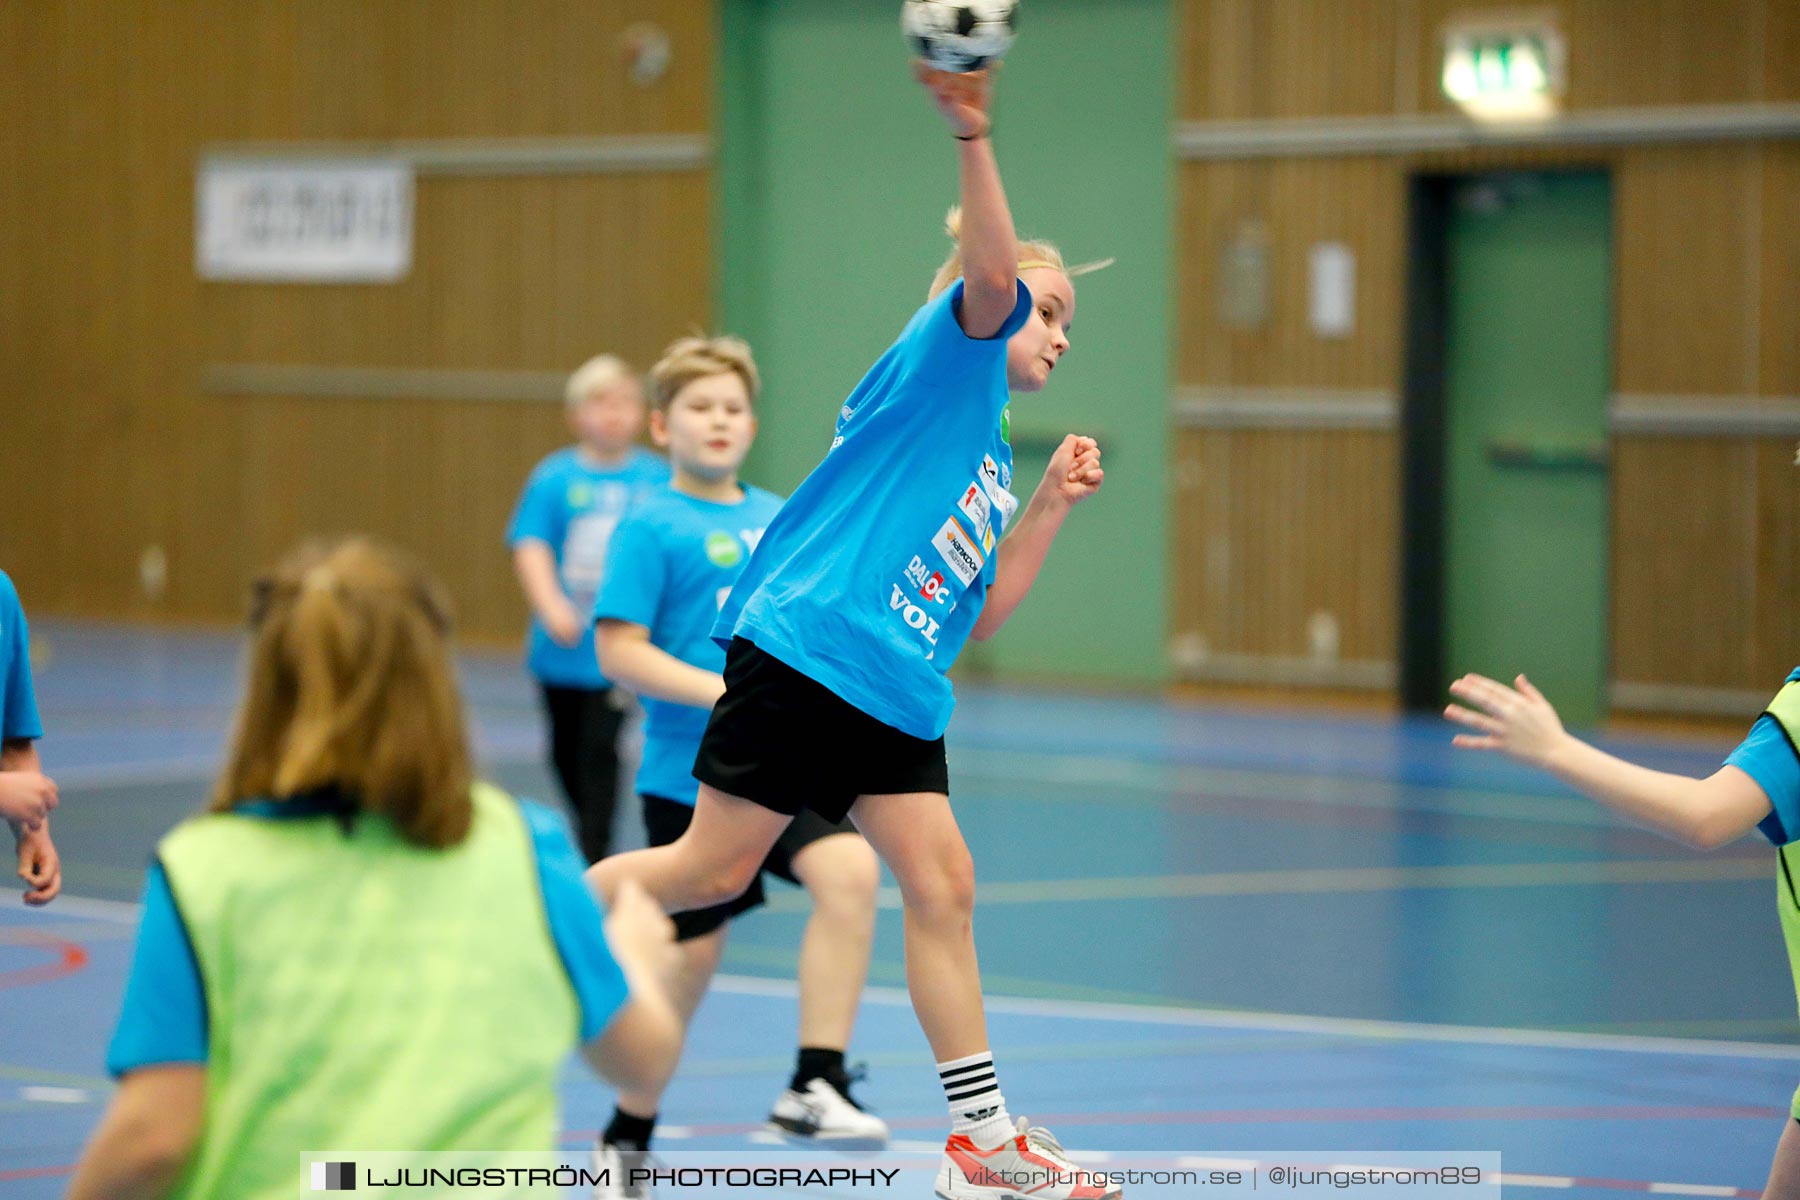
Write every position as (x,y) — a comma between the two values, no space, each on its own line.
(1550,456)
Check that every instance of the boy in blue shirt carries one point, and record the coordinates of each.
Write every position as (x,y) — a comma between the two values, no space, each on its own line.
(27,795)
(559,535)
(673,561)
(1758,787)
(885,561)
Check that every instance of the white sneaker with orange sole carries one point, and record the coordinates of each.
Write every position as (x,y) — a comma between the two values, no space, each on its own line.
(1031,1165)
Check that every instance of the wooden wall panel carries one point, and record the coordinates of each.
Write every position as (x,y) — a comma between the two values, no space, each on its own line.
(104,328)
(1706,560)
(1271,540)
(1781,51)
(1707,269)
(1291,58)
(1297,203)
(1778,273)
(1315,58)
(1686,249)
(1625,53)
(511,272)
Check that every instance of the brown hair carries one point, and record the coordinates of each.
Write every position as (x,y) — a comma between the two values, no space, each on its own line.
(691,358)
(350,685)
(1033,252)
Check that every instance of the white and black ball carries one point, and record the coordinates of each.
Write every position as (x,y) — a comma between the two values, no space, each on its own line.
(959,35)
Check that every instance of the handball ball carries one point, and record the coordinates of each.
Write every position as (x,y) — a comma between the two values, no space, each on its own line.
(959,35)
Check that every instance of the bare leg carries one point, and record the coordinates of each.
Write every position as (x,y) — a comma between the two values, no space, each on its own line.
(841,874)
(918,838)
(696,961)
(1784,1173)
(713,862)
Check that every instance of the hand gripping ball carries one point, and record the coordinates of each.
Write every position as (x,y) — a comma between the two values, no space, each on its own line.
(959,35)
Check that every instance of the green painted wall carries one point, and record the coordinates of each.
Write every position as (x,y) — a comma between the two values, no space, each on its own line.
(834,175)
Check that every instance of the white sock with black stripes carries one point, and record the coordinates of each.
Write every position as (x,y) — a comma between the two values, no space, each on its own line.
(976,1105)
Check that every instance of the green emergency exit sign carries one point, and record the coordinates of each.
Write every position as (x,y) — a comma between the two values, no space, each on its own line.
(1504,72)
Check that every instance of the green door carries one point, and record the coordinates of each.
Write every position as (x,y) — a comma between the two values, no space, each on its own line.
(1528,364)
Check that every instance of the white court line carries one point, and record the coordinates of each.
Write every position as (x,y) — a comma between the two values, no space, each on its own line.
(1212,1018)
(1352,1027)
(1692,1189)
(197,769)
(122,911)
(1287,881)
(1097,771)
(1322,789)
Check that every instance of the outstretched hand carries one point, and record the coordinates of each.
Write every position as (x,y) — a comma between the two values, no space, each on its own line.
(966,98)
(1518,723)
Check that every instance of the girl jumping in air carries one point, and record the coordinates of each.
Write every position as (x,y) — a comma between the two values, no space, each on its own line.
(860,595)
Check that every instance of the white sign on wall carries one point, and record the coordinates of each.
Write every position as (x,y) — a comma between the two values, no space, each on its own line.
(1331,289)
(303,220)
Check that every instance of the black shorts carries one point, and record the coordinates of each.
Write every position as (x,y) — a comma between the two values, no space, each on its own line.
(789,743)
(666,820)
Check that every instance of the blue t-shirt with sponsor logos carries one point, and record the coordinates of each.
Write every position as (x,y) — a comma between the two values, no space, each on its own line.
(673,560)
(573,508)
(1768,758)
(871,577)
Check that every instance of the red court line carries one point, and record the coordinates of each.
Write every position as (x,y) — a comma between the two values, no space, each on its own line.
(36,1172)
(71,957)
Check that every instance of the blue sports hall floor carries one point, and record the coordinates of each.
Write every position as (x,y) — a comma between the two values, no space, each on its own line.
(1204,928)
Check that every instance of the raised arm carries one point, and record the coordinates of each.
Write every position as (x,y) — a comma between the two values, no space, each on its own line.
(1522,724)
(990,246)
(628,657)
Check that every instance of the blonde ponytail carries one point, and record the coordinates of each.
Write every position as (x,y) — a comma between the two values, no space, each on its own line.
(1032,253)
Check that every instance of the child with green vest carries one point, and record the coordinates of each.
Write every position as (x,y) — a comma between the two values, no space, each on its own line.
(1758,787)
(358,946)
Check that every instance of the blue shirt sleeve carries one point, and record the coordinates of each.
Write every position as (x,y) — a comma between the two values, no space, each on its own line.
(575,922)
(1768,758)
(636,574)
(937,350)
(19,700)
(163,1019)
(541,514)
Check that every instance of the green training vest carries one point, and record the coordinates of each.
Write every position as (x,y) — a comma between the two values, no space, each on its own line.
(1785,708)
(364,993)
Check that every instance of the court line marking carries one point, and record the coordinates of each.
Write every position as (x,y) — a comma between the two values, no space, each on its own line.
(202,769)
(1341,1027)
(986,764)
(1342,880)
(1216,1018)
